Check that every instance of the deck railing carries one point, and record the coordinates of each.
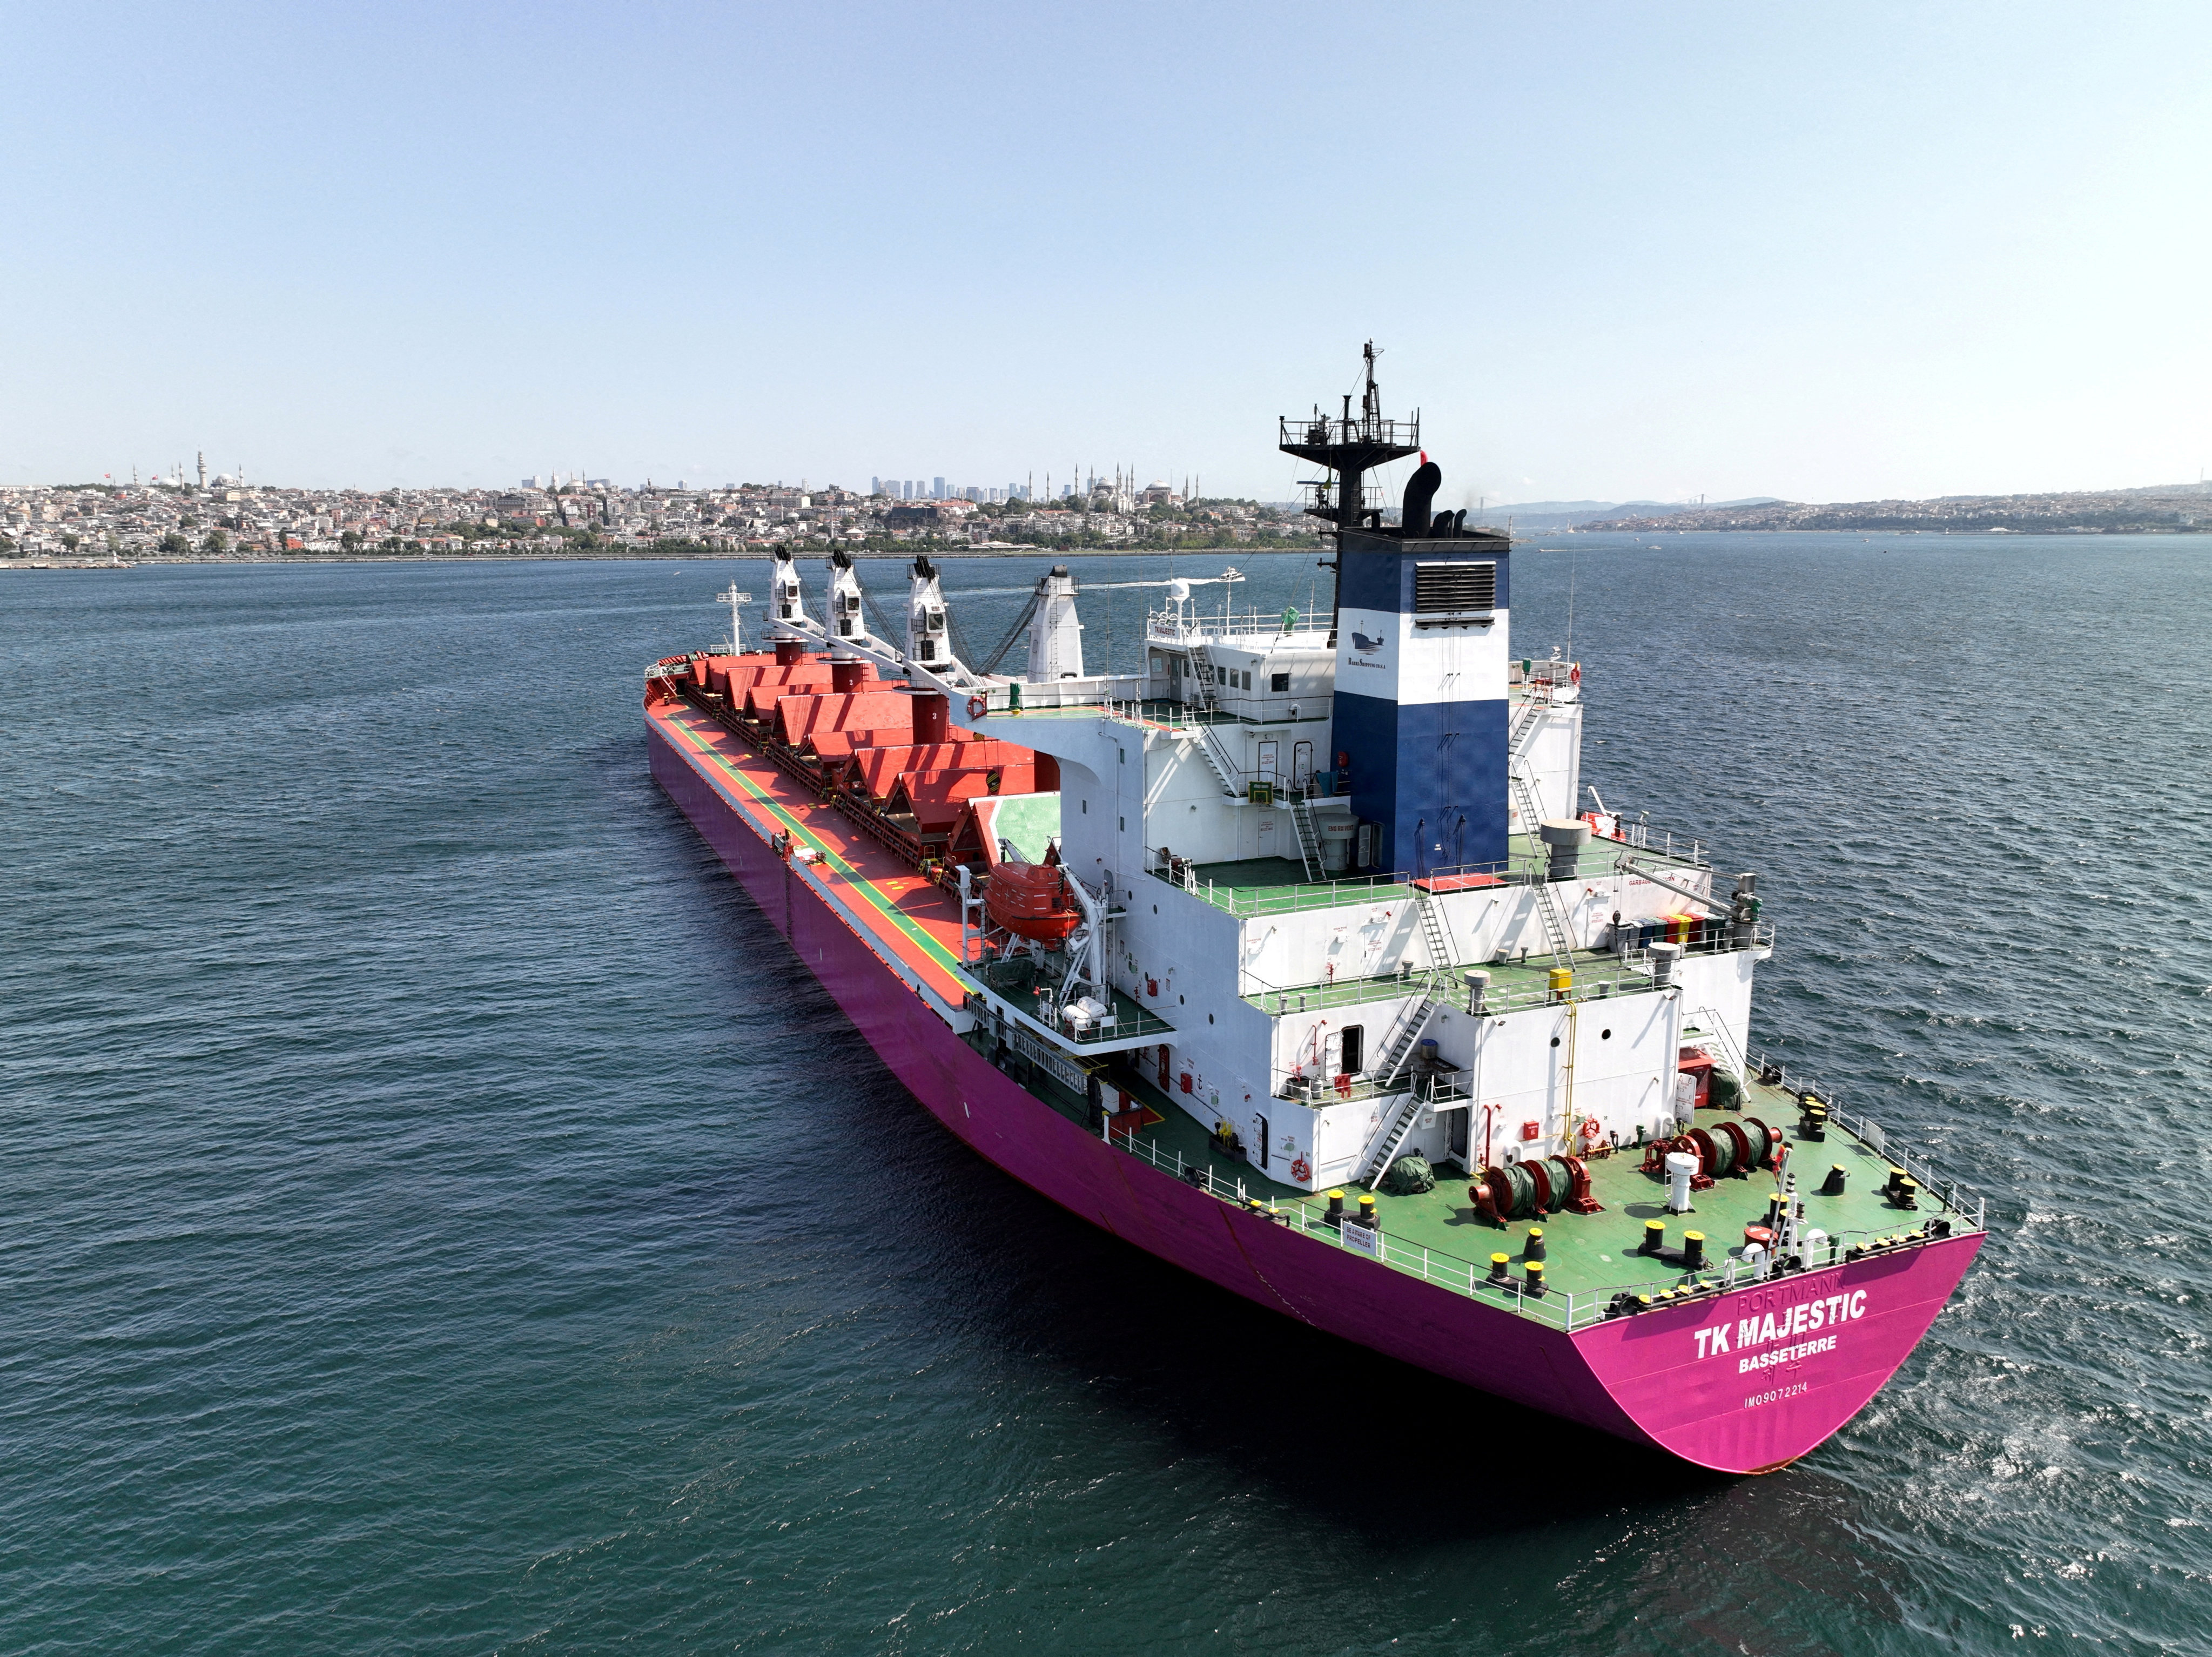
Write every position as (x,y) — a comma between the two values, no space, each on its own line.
(1181,872)
(1597,977)
(1956,1200)
(1563,1309)
(1428,1088)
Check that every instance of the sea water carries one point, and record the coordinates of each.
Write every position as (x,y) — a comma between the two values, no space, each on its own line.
(438,1215)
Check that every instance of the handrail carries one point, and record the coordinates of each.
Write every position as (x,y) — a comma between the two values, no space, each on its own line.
(1317,894)
(1598,976)
(1563,1309)
(1949,1192)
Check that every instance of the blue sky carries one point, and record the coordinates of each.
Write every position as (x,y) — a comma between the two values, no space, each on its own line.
(1611,250)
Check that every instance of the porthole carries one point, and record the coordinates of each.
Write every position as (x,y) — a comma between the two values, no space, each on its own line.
(1605,1035)
(1555,1040)
(1209,1018)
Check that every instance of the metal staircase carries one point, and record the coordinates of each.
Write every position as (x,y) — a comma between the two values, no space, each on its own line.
(1409,1112)
(1525,721)
(1526,805)
(1710,1026)
(1201,671)
(1557,938)
(1407,1030)
(1309,838)
(1411,1024)
(1219,756)
(1436,931)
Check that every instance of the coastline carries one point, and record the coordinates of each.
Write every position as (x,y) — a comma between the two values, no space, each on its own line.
(641,555)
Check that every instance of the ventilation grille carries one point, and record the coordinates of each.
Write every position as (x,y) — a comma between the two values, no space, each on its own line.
(1453,589)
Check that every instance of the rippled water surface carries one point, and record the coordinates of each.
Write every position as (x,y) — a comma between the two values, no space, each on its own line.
(439,1217)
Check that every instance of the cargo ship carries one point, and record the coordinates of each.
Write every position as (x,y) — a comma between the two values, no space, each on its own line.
(1291,957)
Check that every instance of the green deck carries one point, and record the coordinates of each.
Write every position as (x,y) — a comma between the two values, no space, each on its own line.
(1436,1233)
(1253,886)
(1513,985)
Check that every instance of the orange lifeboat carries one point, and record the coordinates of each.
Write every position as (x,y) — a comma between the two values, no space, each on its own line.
(1031,899)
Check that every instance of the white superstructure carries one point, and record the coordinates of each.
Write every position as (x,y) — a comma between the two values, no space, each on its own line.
(1274,968)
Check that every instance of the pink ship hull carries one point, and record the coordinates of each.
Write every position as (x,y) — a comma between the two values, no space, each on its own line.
(1650,1379)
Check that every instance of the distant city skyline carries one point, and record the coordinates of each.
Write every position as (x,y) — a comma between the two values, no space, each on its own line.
(1614,253)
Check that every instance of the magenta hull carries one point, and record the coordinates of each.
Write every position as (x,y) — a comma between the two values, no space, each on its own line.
(1647,1378)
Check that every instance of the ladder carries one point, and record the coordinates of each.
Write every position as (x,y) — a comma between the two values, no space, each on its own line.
(1524,722)
(1409,1112)
(1557,938)
(1201,669)
(1309,838)
(1526,805)
(1410,1026)
(1711,1025)
(1217,756)
(1434,931)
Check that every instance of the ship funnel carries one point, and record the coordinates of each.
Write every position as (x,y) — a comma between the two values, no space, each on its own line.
(1420,495)
(1421,699)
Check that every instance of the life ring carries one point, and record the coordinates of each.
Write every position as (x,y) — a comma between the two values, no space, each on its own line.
(1592,1130)
(1300,1172)
(1575,674)
(977,707)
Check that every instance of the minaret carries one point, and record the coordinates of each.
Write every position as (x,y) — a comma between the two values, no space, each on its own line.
(202,459)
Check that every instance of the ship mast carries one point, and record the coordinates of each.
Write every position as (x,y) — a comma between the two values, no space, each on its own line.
(1351,446)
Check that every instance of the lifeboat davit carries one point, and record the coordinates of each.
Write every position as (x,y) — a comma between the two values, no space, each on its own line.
(1031,899)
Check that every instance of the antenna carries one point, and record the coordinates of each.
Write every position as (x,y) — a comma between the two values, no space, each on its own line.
(1573,558)
(734,598)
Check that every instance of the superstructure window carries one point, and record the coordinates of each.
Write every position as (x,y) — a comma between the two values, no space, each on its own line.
(1453,589)
(1278,682)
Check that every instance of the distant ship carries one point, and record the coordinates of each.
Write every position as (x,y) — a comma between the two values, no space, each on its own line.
(1315,982)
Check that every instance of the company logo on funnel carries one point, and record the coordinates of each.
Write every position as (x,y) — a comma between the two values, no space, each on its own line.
(1365,637)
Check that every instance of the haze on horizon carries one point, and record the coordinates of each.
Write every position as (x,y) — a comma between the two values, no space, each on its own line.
(1612,252)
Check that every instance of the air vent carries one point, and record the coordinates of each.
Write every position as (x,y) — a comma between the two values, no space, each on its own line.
(1455,589)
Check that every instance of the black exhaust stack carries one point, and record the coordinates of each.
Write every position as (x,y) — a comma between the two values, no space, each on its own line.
(1420,494)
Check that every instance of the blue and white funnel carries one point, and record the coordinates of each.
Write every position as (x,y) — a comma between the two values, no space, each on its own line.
(1420,710)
